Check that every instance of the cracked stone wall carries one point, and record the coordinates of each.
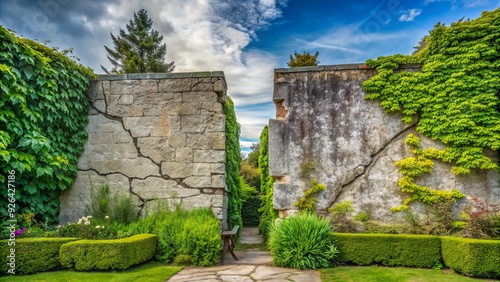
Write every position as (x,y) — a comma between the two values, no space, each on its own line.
(326,130)
(159,138)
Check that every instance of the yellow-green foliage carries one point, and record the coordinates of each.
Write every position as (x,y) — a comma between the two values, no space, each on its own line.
(308,201)
(413,167)
(472,257)
(33,255)
(388,249)
(454,97)
(108,254)
(267,211)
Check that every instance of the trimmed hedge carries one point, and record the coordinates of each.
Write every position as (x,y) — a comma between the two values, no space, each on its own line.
(472,257)
(108,254)
(389,249)
(32,255)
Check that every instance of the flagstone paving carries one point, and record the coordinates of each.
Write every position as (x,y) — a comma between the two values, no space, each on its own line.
(252,265)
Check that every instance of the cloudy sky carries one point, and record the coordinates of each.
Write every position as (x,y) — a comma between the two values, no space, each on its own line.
(247,39)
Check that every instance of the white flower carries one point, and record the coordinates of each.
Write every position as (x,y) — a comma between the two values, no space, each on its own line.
(106,217)
(79,221)
(97,226)
(59,226)
(87,223)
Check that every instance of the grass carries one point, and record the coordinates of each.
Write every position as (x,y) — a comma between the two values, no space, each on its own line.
(390,274)
(245,247)
(149,272)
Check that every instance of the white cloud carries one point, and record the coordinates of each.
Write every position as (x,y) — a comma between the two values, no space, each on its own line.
(475,3)
(410,15)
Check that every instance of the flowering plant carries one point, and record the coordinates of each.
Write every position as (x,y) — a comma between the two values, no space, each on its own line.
(86,228)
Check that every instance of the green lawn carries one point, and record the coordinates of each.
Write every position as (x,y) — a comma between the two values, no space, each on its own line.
(149,272)
(391,274)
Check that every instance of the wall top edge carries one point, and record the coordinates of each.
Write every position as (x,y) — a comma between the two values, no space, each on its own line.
(356,66)
(142,76)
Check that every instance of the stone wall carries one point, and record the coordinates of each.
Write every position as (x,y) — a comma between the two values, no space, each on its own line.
(159,138)
(326,130)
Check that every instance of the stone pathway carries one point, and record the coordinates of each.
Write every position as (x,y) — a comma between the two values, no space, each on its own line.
(252,265)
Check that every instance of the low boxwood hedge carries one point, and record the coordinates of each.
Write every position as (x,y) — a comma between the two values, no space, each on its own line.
(31,255)
(389,249)
(472,257)
(108,254)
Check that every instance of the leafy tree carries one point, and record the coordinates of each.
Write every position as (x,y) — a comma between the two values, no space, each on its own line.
(303,60)
(139,49)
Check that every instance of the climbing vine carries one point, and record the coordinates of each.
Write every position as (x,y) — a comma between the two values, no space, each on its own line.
(267,211)
(43,114)
(308,202)
(454,98)
(233,165)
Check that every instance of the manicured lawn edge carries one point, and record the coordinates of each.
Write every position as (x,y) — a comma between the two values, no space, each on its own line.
(31,255)
(108,254)
(472,257)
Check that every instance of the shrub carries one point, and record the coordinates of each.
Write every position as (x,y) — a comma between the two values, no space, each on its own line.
(302,241)
(482,221)
(194,233)
(32,255)
(117,207)
(88,228)
(342,217)
(472,257)
(108,254)
(389,250)
(249,211)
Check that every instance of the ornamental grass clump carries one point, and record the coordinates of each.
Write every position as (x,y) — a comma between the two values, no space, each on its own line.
(302,241)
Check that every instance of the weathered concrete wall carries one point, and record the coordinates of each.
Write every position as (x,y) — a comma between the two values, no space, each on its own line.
(326,130)
(156,137)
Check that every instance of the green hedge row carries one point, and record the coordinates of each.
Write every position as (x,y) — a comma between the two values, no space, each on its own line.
(108,254)
(31,255)
(389,249)
(472,257)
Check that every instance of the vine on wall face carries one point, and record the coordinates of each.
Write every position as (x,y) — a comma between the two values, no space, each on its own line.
(43,114)
(455,96)
(233,165)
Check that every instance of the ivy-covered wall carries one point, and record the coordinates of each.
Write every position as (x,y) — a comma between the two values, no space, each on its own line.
(396,132)
(43,114)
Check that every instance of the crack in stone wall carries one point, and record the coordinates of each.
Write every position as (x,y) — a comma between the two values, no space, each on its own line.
(159,138)
(326,130)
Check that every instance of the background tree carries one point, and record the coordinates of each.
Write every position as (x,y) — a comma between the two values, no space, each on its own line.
(249,168)
(139,49)
(303,60)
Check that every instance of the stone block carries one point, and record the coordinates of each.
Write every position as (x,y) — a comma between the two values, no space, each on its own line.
(99,105)
(198,141)
(218,181)
(201,169)
(220,85)
(193,123)
(175,124)
(218,140)
(158,188)
(152,142)
(177,170)
(184,155)
(140,126)
(126,99)
(101,138)
(198,181)
(277,152)
(217,168)
(203,86)
(203,200)
(177,140)
(175,85)
(212,107)
(199,97)
(95,91)
(182,108)
(162,126)
(216,122)
(159,155)
(135,168)
(100,124)
(124,87)
(209,156)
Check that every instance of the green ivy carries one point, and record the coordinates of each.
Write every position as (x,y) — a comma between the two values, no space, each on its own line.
(233,165)
(308,201)
(454,98)
(43,114)
(268,213)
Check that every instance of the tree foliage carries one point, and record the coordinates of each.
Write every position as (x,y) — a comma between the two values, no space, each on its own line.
(303,60)
(139,49)
(233,165)
(454,98)
(43,114)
